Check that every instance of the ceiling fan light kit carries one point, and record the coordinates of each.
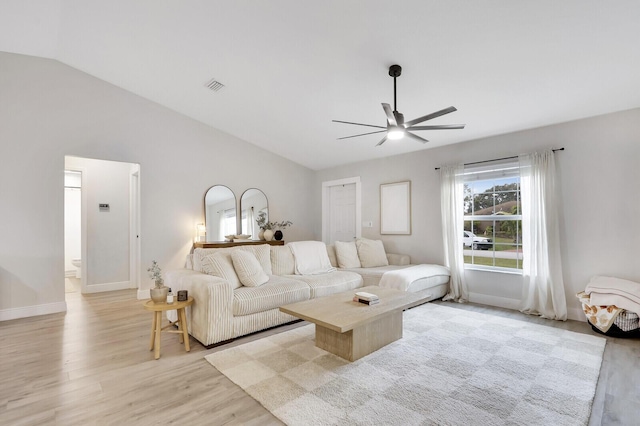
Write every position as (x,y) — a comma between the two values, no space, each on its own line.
(395,134)
(396,127)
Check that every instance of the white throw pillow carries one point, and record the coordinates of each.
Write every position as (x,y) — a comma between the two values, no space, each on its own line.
(248,268)
(282,261)
(347,254)
(220,265)
(371,253)
(262,252)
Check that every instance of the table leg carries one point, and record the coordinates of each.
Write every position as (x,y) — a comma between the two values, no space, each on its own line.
(153,331)
(179,324)
(158,331)
(185,330)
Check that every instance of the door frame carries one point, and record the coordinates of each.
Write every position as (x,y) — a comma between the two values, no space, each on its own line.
(134,227)
(83,225)
(326,205)
(134,280)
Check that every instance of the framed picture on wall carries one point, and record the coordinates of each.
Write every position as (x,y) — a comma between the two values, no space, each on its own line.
(395,208)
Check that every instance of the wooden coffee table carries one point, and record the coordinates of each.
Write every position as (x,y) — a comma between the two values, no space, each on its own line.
(351,329)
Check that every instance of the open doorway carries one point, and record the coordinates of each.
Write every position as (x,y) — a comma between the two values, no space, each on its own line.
(102,244)
(72,230)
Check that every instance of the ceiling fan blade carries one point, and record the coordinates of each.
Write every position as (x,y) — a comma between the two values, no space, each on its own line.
(430,116)
(438,127)
(362,134)
(359,124)
(417,138)
(391,119)
(382,141)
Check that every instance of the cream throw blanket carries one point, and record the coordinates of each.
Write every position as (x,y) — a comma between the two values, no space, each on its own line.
(401,279)
(311,257)
(606,291)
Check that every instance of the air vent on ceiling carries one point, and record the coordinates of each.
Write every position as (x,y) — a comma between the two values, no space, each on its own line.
(214,85)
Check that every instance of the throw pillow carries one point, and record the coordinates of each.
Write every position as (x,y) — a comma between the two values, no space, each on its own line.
(219,264)
(371,253)
(282,261)
(248,268)
(347,254)
(262,252)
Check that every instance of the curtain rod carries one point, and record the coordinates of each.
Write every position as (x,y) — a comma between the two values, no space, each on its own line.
(499,159)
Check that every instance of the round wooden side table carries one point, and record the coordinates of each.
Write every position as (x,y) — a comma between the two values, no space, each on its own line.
(156,325)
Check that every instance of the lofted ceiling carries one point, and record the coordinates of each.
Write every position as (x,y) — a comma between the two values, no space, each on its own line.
(291,66)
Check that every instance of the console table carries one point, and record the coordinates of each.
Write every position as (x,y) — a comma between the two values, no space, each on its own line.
(222,244)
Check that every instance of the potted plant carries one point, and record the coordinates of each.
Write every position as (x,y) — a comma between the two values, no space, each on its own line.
(159,292)
(278,226)
(263,224)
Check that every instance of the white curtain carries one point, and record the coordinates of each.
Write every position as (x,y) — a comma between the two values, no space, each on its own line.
(251,224)
(221,226)
(541,267)
(452,208)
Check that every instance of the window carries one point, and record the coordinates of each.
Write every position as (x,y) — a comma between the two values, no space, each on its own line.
(492,217)
(228,223)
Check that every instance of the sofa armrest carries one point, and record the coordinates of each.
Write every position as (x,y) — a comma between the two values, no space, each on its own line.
(398,259)
(210,318)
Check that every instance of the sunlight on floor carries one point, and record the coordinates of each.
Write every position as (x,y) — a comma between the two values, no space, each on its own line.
(71,285)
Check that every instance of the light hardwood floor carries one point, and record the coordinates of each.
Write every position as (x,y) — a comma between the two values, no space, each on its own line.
(92,366)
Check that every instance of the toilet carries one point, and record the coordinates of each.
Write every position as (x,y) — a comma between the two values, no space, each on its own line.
(78,264)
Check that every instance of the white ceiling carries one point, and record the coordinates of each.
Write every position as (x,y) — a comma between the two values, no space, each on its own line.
(291,66)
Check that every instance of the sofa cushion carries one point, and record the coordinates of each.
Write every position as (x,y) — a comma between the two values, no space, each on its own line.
(347,254)
(276,292)
(371,253)
(331,252)
(330,283)
(248,268)
(282,262)
(220,265)
(261,251)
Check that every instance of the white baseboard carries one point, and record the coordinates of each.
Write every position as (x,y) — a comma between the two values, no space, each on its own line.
(32,311)
(503,302)
(99,288)
(500,302)
(144,294)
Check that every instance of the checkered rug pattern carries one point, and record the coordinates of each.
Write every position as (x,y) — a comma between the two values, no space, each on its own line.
(452,367)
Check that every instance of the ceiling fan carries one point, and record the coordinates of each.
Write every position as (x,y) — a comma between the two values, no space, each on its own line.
(396,127)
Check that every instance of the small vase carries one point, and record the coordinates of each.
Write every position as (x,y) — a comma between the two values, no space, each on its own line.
(268,234)
(159,295)
(261,235)
(277,235)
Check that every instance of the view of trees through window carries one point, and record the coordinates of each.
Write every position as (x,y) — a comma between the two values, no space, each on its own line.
(492,222)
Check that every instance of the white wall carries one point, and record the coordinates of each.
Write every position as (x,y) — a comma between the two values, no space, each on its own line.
(598,177)
(49,110)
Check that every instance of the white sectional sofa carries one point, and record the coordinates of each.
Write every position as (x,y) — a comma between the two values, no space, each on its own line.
(229,302)
(434,279)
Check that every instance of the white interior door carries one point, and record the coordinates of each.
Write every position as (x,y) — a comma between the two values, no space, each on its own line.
(341,210)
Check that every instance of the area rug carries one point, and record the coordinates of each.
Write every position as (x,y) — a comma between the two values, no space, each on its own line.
(452,367)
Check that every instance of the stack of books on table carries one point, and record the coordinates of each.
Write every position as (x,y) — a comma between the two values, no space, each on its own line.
(366,298)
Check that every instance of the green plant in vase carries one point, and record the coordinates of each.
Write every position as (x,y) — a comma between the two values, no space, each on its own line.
(159,292)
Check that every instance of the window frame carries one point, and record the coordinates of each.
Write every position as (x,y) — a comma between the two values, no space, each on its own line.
(492,172)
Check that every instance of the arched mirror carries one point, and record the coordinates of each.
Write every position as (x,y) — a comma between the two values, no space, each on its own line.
(220,213)
(252,203)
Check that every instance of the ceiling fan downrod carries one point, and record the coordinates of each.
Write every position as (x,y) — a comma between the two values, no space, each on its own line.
(395,71)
